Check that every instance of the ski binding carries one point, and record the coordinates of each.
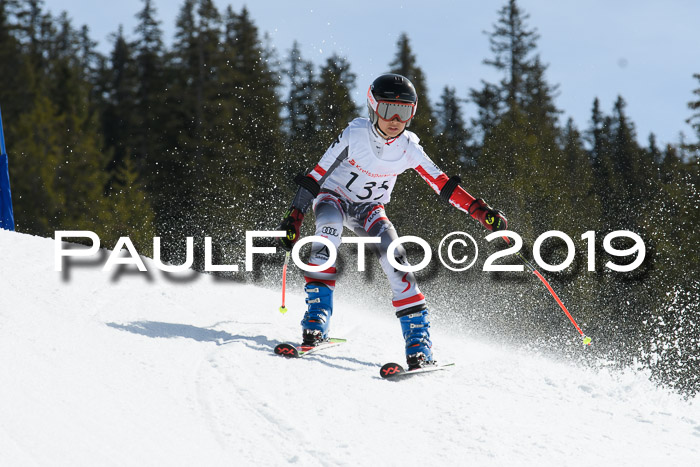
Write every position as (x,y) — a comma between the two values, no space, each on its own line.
(396,371)
(288,350)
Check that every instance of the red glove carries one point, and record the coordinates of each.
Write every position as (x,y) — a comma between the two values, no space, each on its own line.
(492,219)
(291,224)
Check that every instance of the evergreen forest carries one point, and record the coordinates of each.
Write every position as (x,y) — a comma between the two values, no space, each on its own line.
(202,138)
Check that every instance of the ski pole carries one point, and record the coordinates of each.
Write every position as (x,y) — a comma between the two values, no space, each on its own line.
(586,339)
(283,308)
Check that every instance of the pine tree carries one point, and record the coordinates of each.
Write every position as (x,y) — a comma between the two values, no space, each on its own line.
(148,140)
(193,150)
(489,110)
(119,120)
(671,231)
(520,151)
(580,182)
(405,64)
(61,171)
(188,75)
(512,44)
(303,142)
(130,211)
(670,164)
(527,165)
(694,120)
(334,102)
(89,61)
(79,178)
(17,83)
(601,138)
(256,138)
(523,87)
(655,154)
(34,30)
(36,152)
(254,86)
(128,207)
(452,135)
(293,104)
(631,169)
(538,98)
(411,193)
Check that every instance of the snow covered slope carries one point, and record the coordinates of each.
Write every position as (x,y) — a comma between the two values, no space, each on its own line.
(123,369)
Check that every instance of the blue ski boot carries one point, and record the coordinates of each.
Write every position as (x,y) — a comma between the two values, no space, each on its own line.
(415,325)
(316,320)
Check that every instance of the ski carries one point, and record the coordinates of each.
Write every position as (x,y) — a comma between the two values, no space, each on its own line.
(396,371)
(288,350)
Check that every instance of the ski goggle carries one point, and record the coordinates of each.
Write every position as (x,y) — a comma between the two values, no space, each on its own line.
(387,110)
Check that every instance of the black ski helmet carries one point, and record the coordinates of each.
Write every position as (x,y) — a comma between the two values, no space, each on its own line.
(391,88)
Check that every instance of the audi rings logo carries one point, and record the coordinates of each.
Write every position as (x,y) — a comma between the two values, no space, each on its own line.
(329,231)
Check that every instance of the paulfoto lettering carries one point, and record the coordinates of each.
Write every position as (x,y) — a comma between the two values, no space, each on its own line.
(469,251)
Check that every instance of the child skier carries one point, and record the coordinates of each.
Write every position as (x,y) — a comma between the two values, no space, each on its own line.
(350,186)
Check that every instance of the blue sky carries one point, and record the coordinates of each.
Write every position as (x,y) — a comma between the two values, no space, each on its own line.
(644,50)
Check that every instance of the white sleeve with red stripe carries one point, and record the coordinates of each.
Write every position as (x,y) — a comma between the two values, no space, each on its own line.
(329,158)
(436,178)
